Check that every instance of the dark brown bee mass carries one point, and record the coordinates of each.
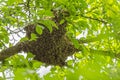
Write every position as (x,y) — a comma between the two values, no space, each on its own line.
(51,48)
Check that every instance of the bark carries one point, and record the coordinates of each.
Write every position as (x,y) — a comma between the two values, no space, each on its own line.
(10,51)
(6,53)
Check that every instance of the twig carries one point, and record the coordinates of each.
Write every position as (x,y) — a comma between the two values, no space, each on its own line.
(3,43)
(96,19)
(28,6)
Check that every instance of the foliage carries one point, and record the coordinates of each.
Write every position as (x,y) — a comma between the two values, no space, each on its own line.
(95,22)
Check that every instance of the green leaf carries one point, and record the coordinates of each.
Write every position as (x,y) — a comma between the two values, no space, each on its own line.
(33,37)
(62,21)
(24,39)
(39,29)
(18,1)
(70,62)
(36,64)
(78,55)
(75,42)
(49,24)
(30,55)
(10,2)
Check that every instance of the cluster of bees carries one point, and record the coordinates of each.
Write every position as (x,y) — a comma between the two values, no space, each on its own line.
(51,48)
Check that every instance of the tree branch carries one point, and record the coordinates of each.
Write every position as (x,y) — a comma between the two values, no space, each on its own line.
(105,53)
(11,51)
(96,19)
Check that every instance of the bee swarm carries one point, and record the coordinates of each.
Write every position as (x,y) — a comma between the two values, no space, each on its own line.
(51,48)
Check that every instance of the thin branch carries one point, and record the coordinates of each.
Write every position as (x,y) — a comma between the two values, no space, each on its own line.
(96,19)
(105,53)
(3,43)
(93,8)
(15,31)
(102,52)
(28,7)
